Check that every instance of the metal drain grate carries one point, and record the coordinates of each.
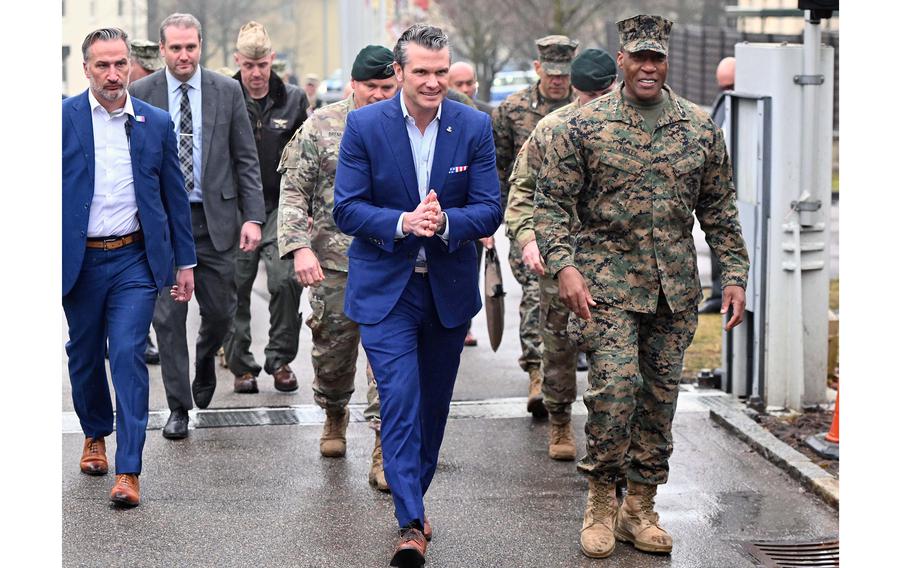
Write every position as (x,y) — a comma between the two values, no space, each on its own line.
(773,554)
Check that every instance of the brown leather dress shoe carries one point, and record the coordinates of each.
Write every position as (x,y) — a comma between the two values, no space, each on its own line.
(94,457)
(126,491)
(411,550)
(285,379)
(245,384)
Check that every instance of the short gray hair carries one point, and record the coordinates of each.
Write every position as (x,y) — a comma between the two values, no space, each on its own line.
(430,37)
(181,21)
(104,34)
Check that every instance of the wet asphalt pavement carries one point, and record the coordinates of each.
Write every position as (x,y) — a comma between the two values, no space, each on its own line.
(262,495)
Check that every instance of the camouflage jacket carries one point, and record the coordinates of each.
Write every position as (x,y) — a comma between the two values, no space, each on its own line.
(520,208)
(513,121)
(635,194)
(307,171)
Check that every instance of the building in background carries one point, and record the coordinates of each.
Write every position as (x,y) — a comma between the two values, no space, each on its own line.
(314,36)
(81,17)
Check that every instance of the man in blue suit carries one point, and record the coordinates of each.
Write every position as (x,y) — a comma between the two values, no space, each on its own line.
(415,186)
(126,224)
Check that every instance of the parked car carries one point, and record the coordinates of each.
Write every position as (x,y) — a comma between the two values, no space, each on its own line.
(507,82)
(332,88)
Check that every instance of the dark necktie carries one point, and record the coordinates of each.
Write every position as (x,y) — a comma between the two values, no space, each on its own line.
(185,147)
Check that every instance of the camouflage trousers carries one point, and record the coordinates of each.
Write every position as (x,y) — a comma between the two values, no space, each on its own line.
(528,310)
(335,342)
(635,366)
(284,306)
(559,353)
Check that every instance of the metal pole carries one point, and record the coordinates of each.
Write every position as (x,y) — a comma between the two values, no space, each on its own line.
(800,215)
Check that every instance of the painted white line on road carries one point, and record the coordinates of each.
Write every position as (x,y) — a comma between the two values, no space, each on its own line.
(312,415)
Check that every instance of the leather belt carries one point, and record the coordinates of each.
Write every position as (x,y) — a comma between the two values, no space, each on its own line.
(113,243)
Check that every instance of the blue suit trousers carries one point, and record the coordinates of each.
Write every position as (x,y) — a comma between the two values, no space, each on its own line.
(415,360)
(113,300)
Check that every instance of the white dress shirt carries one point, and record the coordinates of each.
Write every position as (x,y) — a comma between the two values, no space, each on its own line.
(113,212)
(423,148)
(174,95)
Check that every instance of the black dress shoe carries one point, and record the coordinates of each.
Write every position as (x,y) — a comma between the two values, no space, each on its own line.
(204,383)
(177,426)
(151,352)
(710,306)
(582,362)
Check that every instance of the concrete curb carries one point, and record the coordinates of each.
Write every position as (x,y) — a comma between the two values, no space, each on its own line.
(730,414)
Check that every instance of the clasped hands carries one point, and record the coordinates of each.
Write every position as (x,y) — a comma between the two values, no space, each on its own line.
(426,219)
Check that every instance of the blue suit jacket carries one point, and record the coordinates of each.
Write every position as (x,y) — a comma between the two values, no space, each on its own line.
(164,210)
(375,182)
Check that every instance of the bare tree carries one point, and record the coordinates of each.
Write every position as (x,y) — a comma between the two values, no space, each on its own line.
(479,32)
(220,19)
(495,34)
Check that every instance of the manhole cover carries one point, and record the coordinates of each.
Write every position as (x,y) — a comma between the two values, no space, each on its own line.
(773,554)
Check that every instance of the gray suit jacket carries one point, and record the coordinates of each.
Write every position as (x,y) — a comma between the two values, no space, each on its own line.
(230,179)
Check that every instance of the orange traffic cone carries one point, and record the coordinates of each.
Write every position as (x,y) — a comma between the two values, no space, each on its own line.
(832,435)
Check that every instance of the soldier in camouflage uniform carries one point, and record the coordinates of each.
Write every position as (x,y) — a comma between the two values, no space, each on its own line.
(513,121)
(145,58)
(320,253)
(593,74)
(635,165)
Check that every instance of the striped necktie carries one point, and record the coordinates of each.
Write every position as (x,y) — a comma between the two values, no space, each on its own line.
(185,147)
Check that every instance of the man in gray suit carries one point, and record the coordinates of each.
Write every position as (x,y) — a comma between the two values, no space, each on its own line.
(220,166)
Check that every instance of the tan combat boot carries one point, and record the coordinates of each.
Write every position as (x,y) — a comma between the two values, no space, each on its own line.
(377,473)
(333,444)
(638,522)
(597,540)
(535,396)
(562,441)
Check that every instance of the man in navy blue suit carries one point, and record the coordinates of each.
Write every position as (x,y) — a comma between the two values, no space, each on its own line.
(415,186)
(126,225)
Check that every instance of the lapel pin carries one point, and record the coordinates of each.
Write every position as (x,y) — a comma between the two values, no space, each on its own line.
(140,118)
(448,129)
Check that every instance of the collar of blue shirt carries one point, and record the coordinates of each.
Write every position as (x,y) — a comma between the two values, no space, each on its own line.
(173,83)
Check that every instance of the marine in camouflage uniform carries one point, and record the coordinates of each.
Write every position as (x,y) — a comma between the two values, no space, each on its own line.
(635,165)
(592,73)
(307,192)
(513,121)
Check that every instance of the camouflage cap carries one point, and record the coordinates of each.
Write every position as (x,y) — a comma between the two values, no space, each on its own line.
(311,79)
(253,41)
(146,54)
(555,53)
(645,33)
(279,66)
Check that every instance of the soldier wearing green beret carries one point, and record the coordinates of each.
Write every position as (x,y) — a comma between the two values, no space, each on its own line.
(319,252)
(613,217)
(275,110)
(592,74)
(513,121)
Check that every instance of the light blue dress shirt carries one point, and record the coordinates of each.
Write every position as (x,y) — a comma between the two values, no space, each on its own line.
(173,104)
(423,148)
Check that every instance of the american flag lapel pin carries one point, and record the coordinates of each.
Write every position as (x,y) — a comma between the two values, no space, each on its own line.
(140,118)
